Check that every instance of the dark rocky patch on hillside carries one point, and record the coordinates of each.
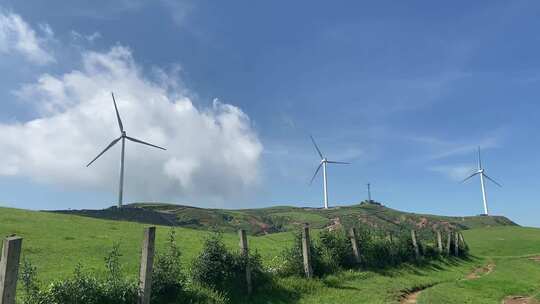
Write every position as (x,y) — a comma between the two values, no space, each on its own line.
(127,213)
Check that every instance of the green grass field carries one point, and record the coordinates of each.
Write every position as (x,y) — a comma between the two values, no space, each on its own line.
(56,243)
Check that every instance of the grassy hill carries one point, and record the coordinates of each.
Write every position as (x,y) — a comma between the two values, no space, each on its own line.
(57,242)
(285,218)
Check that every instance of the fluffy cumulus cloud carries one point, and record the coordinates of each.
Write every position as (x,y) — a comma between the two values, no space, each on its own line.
(212,152)
(16,36)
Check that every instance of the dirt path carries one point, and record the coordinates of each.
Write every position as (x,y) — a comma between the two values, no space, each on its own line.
(412,296)
(535,258)
(480,272)
(519,300)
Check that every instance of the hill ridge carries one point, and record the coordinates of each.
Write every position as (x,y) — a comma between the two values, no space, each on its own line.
(258,221)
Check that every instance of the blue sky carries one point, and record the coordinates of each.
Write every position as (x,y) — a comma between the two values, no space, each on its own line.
(404,91)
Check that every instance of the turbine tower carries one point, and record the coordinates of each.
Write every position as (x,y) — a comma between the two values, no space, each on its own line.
(123,137)
(482,173)
(369,192)
(323,164)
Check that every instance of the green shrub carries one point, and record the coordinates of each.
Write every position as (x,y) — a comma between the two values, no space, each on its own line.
(336,250)
(201,294)
(222,270)
(30,284)
(168,279)
(116,289)
(82,287)
(378,251)
(292,259)
(259,277)
(213,266)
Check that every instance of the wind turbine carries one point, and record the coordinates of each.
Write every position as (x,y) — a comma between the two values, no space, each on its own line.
(123,137)
(323,164)
(482,173)
(369,192)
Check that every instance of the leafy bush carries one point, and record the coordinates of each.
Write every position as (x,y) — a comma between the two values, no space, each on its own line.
(381,252)
(258,276)
(30,284)
(333,252)
(292,259)
(168,279)
(116,289)
(336,250)
(225,271)
(213,267)
(202,294)
(82,287)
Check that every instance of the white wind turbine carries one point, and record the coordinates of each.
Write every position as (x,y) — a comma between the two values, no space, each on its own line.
(482,173)
(123,137)
(323,163)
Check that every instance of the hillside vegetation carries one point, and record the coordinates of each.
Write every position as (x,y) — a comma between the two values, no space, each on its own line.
(56,243)
(285,218)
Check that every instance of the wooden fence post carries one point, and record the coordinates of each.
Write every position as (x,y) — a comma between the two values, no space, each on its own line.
(462,239)
(354,243)
(439,242)
(306,252)
(456,244)
(9,269)
(245,253)
(448,242)
(147,264)
(415,244)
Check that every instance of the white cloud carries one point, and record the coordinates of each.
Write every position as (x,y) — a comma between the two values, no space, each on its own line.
(441,148)
(212,153)
(76,36)
(455,172)
(17,36)
(179,10)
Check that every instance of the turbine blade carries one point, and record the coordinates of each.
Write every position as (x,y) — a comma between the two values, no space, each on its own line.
(144,143)
(108,147)
(338,162)
(120,125)
(316,147)
(471,176)
(315,175)
(479,159)
(492,180)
